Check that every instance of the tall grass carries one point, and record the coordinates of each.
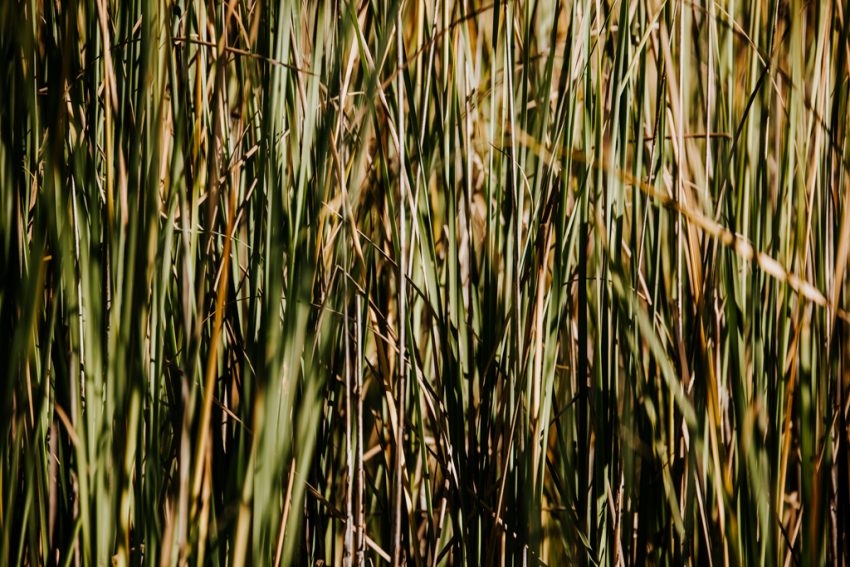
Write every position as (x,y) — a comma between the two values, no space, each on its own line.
(427,282)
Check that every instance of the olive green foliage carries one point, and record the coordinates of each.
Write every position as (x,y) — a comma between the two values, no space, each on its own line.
(424,282)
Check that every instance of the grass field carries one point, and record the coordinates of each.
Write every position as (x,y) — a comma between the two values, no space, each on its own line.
(424,282)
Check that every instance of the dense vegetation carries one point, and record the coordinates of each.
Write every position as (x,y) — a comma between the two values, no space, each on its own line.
(436,282)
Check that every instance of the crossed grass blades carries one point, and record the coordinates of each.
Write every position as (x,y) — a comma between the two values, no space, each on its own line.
(429,282)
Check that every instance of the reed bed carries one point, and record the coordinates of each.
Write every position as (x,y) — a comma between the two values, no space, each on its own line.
(424,282)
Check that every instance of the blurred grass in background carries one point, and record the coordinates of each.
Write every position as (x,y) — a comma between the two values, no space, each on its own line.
(440,282)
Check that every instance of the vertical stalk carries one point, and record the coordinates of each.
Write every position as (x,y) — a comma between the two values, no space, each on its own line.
(402,299)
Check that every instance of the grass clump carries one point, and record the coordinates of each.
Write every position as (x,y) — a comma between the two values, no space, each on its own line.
(427,283)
